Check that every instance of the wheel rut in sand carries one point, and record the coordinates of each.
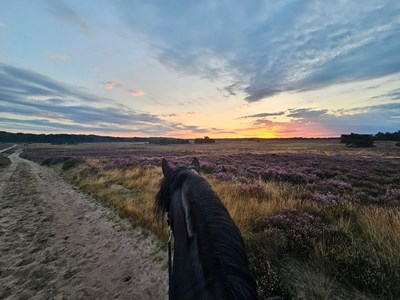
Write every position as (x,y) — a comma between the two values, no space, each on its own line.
(57,243)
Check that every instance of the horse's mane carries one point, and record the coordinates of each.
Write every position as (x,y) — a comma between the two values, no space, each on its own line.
(220,246)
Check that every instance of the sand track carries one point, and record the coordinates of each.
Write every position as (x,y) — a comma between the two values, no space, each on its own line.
(57,243)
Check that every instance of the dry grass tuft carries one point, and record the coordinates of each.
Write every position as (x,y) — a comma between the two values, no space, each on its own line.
(131,191)
(381,226)
(244,209)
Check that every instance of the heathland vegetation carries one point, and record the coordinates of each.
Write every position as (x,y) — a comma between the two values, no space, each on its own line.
(320,220)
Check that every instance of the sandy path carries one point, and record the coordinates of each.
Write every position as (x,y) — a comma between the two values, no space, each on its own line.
(56,243)
(9,148)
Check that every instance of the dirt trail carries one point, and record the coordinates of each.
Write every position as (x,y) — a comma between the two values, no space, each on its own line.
(57,243)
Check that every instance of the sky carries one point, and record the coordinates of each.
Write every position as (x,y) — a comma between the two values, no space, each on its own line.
(199,68)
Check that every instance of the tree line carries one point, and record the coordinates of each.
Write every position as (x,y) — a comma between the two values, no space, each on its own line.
(367,140)
(9,137)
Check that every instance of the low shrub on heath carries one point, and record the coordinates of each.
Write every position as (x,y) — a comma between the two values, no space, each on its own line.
(301,230)
(265,265)
(71,163)
(362,265)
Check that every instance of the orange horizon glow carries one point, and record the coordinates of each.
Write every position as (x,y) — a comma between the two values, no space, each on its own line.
(246,133)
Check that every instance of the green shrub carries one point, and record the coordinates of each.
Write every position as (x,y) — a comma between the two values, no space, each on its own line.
(363,266)
(265,267)
(70,163)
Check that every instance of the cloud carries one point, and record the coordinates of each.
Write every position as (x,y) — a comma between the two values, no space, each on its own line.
(2,25)
(40,103)
(109,85)
(21,82)
(43,125)
(28,94)
(61,57)
(321,122)
(262,115)
(234,88)
(306,113)
(273,46)
(64,12)
(190,128)
(393,95)
(263,121)
(136,93)
(78,113)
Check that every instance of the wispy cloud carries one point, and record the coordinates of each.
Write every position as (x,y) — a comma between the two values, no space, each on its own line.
(109,85)
(66,13)
(262,115)
(306,113)
(136,93)
(2,25)
(43,103)
(272,47)
(321,122)
(393,95)
(22,82)
(44,125)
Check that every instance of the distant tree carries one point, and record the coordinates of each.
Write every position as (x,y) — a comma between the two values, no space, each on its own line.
(387,136)
(8,137)
(167,141)
(206,140)
(357,140)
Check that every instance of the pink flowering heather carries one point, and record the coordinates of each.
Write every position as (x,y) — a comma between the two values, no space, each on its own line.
(369,180)
(300,229)
(326,198)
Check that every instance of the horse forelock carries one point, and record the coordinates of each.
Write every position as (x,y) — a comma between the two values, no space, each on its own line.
(168,185)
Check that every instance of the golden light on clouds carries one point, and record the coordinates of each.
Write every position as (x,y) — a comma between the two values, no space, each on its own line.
(109,85)
(136,93)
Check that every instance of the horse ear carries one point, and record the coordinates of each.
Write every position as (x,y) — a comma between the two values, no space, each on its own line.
(166,169)
(195,164)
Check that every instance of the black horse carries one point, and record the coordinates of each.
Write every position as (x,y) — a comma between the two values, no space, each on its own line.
(209,259)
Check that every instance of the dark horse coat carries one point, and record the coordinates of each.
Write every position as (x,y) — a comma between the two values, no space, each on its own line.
(209,259)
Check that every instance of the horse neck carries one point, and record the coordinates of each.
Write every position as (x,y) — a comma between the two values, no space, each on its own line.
(214,247)
(210,259)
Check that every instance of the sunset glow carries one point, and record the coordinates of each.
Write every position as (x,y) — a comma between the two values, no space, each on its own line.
(190,69)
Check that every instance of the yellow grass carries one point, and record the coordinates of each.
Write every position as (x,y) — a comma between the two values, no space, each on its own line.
(244,209)
(133,193)
(382,227)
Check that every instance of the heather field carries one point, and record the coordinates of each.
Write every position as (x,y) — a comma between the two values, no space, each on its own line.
(321,221)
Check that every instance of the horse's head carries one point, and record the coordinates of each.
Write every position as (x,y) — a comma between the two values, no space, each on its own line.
(167,170)
(173,178)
